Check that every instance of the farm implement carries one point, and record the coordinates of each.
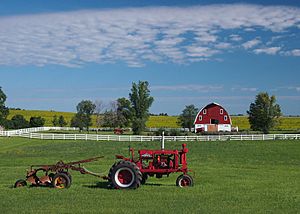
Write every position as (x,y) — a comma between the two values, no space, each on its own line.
(126,173)
(56,175)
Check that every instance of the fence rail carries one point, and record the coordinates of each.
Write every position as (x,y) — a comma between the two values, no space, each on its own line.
(33,133)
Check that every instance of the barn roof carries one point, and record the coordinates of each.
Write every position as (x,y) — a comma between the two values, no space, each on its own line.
(213,103)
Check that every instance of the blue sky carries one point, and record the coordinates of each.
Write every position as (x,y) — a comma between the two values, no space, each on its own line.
(54,54)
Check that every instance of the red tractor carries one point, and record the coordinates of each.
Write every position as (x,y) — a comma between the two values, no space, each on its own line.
(130,173)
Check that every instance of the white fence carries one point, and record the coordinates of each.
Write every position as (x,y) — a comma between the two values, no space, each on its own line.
(33,133)
(20,132)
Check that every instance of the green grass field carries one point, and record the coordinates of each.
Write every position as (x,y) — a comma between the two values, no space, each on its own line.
(230,177)
(287,123)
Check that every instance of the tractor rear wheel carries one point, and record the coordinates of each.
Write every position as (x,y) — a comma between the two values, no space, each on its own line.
(61,181)
(184,181)
(125,175)
(20,183)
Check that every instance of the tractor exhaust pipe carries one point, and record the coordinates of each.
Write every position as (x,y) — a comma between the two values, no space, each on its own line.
(163,141)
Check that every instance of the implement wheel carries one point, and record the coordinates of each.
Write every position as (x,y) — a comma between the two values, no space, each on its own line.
(125,175)
(20,183)
(69,175)
(61,181)
(184,181)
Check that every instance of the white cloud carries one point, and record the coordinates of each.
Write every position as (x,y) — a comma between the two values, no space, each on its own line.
(249,89)
(269,50)
(295,52)
(296,88)
(251,43)
(294,98)
(223,45)
(200,51)
(236,38)
(138,35)
(284,88)
(189,87)
(244,89)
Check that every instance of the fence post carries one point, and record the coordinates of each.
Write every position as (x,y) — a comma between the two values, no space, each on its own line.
(263,137)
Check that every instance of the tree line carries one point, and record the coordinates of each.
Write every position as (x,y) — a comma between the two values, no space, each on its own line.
(124,112)
(263,113)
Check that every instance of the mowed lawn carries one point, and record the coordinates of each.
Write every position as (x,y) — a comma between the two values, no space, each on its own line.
(230,177)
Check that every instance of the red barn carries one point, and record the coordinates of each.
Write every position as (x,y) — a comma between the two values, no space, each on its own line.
(212,118)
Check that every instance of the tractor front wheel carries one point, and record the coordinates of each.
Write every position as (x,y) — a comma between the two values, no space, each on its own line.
(61,181)
(184,181)
(125,175)
(20,183)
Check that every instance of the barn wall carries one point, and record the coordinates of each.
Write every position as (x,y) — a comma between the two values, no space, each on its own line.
(224,128)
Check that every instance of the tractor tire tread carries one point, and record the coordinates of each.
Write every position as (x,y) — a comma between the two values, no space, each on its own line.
(130,165)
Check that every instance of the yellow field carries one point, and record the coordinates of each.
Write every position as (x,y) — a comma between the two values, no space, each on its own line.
(241,122)
(287,123)
(162,122)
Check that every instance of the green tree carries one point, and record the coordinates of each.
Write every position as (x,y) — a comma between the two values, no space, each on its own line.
(100,106)
(18,122)
(4,111)
(119,114)
(264,113)
(187,117)
(36,122)
(110,119)
(77,121)
(141,101)
(83,117)
(61,121)
(124,112)
(55,121)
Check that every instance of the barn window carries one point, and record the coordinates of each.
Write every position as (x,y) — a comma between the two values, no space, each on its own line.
(204,111)
(225,118)
(200,117)
(214,121)
(221,111)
